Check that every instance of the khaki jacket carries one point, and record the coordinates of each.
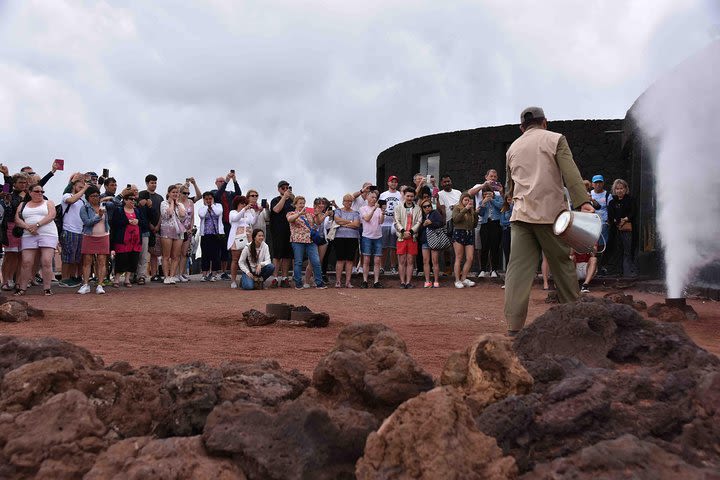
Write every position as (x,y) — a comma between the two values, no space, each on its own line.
(538,163)
(400,214)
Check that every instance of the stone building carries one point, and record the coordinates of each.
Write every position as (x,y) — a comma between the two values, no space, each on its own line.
(467,154)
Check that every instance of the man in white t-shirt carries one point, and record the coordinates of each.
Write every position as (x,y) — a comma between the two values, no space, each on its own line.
(72,235)
(448,197)
(390,198)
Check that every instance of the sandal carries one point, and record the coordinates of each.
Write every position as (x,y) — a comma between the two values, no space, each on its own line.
(48,292)
(141,281)
(19,292)
(115,285)
(5,287)
(127,285)
(338,285)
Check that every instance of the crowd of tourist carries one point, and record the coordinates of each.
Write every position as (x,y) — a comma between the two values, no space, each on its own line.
(108,236)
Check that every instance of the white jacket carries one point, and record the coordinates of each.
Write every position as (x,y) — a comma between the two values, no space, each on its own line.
(263,259)
(202,213)
(237,219)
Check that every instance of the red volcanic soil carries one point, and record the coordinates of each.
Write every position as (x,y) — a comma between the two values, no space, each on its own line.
(163,324)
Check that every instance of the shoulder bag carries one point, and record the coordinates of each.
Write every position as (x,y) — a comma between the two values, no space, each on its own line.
(438,238)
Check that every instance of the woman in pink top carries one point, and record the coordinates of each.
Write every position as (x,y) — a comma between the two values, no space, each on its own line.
(172,232)
(371,217)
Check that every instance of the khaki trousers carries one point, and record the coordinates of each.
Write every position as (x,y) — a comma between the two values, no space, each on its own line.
(527,242)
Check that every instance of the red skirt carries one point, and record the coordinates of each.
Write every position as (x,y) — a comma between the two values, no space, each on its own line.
(95,245)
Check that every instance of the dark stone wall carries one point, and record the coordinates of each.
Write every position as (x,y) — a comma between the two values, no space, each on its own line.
(467,154)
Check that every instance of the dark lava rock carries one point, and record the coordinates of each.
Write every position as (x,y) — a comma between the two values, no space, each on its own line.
(370,369)
(601,371)
(300,439)
(626,457)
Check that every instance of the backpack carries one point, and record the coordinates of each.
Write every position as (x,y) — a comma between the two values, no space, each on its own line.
(59,214)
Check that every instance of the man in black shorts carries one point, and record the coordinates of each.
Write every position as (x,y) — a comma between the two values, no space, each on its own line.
(280,228)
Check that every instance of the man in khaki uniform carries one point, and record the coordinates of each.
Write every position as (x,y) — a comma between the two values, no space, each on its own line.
(538,163)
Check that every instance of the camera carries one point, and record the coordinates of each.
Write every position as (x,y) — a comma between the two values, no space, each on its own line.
(382,203)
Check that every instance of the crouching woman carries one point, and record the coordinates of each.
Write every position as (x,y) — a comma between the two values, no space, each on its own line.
(255,262)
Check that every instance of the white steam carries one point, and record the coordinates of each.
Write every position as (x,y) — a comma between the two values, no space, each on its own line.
(681,115)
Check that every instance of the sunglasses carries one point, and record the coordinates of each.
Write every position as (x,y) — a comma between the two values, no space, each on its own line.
(31,173)
(37,191)
(427,206)
(253,195)
(185,193)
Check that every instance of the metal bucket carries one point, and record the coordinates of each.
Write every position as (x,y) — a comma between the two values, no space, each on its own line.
(580,230)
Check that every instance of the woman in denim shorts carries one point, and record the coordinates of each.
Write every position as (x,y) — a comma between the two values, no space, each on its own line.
(464,219)
(371,218)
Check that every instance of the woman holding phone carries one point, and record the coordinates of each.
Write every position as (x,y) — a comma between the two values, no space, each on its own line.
(95,241)
(300,224)
(465,220)
(242,218)
(172,232)
(189,222)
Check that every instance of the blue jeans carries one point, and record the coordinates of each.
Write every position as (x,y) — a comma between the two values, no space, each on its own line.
(247,283)
(299,251)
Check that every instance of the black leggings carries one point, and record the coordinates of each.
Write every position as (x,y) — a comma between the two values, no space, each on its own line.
(211,246)
(490,238)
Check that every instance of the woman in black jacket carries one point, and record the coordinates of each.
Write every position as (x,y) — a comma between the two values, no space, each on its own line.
(431,219)
(13,201)
(621,217)
(128,225)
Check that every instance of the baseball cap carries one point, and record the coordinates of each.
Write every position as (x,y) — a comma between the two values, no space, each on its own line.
(282,183)
(535,112)
(598,178)
(392,177)
(91,174)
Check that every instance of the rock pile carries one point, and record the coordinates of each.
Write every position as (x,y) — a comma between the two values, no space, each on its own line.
(15,310)
(286,315)
(588,390)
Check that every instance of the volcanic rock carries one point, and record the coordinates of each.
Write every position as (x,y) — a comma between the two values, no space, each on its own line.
(56,440)
(16,310)
(256,318)
(624,299)
(667,313)
(17,351)
(433,436)
(262,383)
(300,439)
(487,371)
(370,369)
(178,458)
(601,371)
(626,457)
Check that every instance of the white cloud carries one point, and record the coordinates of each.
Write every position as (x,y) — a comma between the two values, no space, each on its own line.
(308,91)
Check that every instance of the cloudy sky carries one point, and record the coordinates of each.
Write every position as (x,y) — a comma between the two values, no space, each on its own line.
(310,91)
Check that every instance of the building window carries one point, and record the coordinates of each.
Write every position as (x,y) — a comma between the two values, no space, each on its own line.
(430,165)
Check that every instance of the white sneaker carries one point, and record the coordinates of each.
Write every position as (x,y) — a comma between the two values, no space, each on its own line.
(233,285)
(493,274)
(173,280)
(468,283)
(168,281)
(459,284)
(213,278)
(182,279)
(84,289)
(503,287)
(354,270)
(307,285)
(393,271)
(360,270)
(483,274)
(100,290)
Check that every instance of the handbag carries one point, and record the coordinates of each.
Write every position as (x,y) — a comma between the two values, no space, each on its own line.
(626,227)
(241,242)
(438,238)
(315,235)
(18,231)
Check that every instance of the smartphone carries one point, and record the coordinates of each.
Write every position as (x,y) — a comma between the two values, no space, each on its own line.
(6,188)
(428,179)
(128,186)
(232,170)
(106,172)
(263,203)
(60,163)
(372,187)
